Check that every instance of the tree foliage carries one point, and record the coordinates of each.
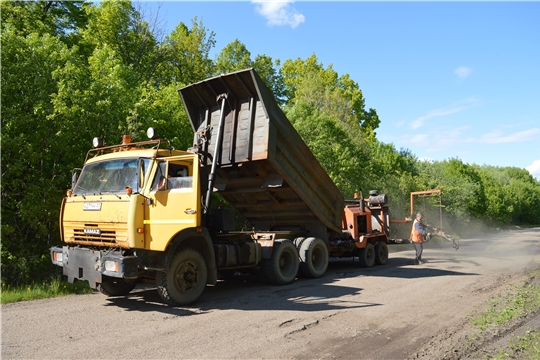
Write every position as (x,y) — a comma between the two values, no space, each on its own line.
(57,95)
(34,150)
(338,96)
(189,53)
(235,56)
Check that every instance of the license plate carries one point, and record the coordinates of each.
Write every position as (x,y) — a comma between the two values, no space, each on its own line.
(90,206)
(92,231)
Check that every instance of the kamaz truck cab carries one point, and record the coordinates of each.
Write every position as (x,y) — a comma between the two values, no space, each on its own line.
(130,203)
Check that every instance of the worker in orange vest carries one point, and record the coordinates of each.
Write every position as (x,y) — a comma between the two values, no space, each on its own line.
(418,237)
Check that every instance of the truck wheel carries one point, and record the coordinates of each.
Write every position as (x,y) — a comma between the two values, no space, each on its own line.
(282,266)
(313,257)
(367,255)
(298,242)
(116,287)
(381,253)
(185,280)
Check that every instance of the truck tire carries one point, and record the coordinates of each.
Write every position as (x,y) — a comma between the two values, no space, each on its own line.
(282,266)
(367,255)
(298,242)
(381,253)
(313,255)
(185,280)
(116,287)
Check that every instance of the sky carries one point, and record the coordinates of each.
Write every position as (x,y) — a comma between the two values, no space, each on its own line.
(447,79)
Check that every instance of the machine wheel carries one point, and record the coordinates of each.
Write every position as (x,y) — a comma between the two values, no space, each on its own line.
(367,255)
(185,280)
(282,266)
(381,253)
(116,287)
(313,257)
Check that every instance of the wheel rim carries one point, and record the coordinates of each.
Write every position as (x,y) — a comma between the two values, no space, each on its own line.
(186,277)
(286,263)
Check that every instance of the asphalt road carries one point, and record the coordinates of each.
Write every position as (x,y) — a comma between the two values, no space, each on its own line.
(385,312)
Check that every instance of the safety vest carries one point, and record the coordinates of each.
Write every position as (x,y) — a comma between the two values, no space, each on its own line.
(415,235)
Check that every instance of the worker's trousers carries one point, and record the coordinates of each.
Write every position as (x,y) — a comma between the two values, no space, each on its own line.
(419,248)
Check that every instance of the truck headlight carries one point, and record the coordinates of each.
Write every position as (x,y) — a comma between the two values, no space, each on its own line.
(58,256)
(111,265)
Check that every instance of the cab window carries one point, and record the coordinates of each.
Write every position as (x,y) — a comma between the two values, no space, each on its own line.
(178,177)
(172,176)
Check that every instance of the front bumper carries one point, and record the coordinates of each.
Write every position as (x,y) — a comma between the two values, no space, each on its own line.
(91,265)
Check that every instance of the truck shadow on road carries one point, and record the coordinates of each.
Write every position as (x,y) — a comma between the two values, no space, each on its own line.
(246,292)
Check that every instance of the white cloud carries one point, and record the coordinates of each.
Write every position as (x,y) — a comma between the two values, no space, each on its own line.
(419,139)
(464,105)
(444,139)
(463,72)
(534,169)
(501,137)
(419,122)
(279,12)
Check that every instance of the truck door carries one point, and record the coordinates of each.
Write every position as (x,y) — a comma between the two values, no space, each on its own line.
(175,202)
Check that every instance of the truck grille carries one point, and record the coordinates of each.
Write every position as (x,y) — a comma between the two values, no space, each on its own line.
(104,237)
(96,234)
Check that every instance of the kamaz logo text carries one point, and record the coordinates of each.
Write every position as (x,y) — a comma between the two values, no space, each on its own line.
(92,231)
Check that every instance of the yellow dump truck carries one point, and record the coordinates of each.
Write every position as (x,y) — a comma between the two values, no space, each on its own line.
(142,211)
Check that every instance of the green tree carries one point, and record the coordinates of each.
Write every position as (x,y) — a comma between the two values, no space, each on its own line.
(162,109)
(57,96)
(499,207)
(61,19)
(339,96)
(513,196)
(394,173)
(327,138)
(118,25)
(96,99)
(34,151)
(189,51)
(464,198)
(269,71)
(234,57)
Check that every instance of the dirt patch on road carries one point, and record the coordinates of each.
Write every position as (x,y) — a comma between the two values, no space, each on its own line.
(463,340)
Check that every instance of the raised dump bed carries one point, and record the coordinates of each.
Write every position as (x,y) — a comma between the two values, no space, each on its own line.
(265,171)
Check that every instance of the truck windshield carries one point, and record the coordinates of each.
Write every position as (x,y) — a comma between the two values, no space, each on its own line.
(111,176)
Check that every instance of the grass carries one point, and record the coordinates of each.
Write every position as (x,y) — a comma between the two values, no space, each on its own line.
(523,347)
(48,289)
(517,302)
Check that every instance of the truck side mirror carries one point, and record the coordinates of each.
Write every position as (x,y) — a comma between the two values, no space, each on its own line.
(74,179)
